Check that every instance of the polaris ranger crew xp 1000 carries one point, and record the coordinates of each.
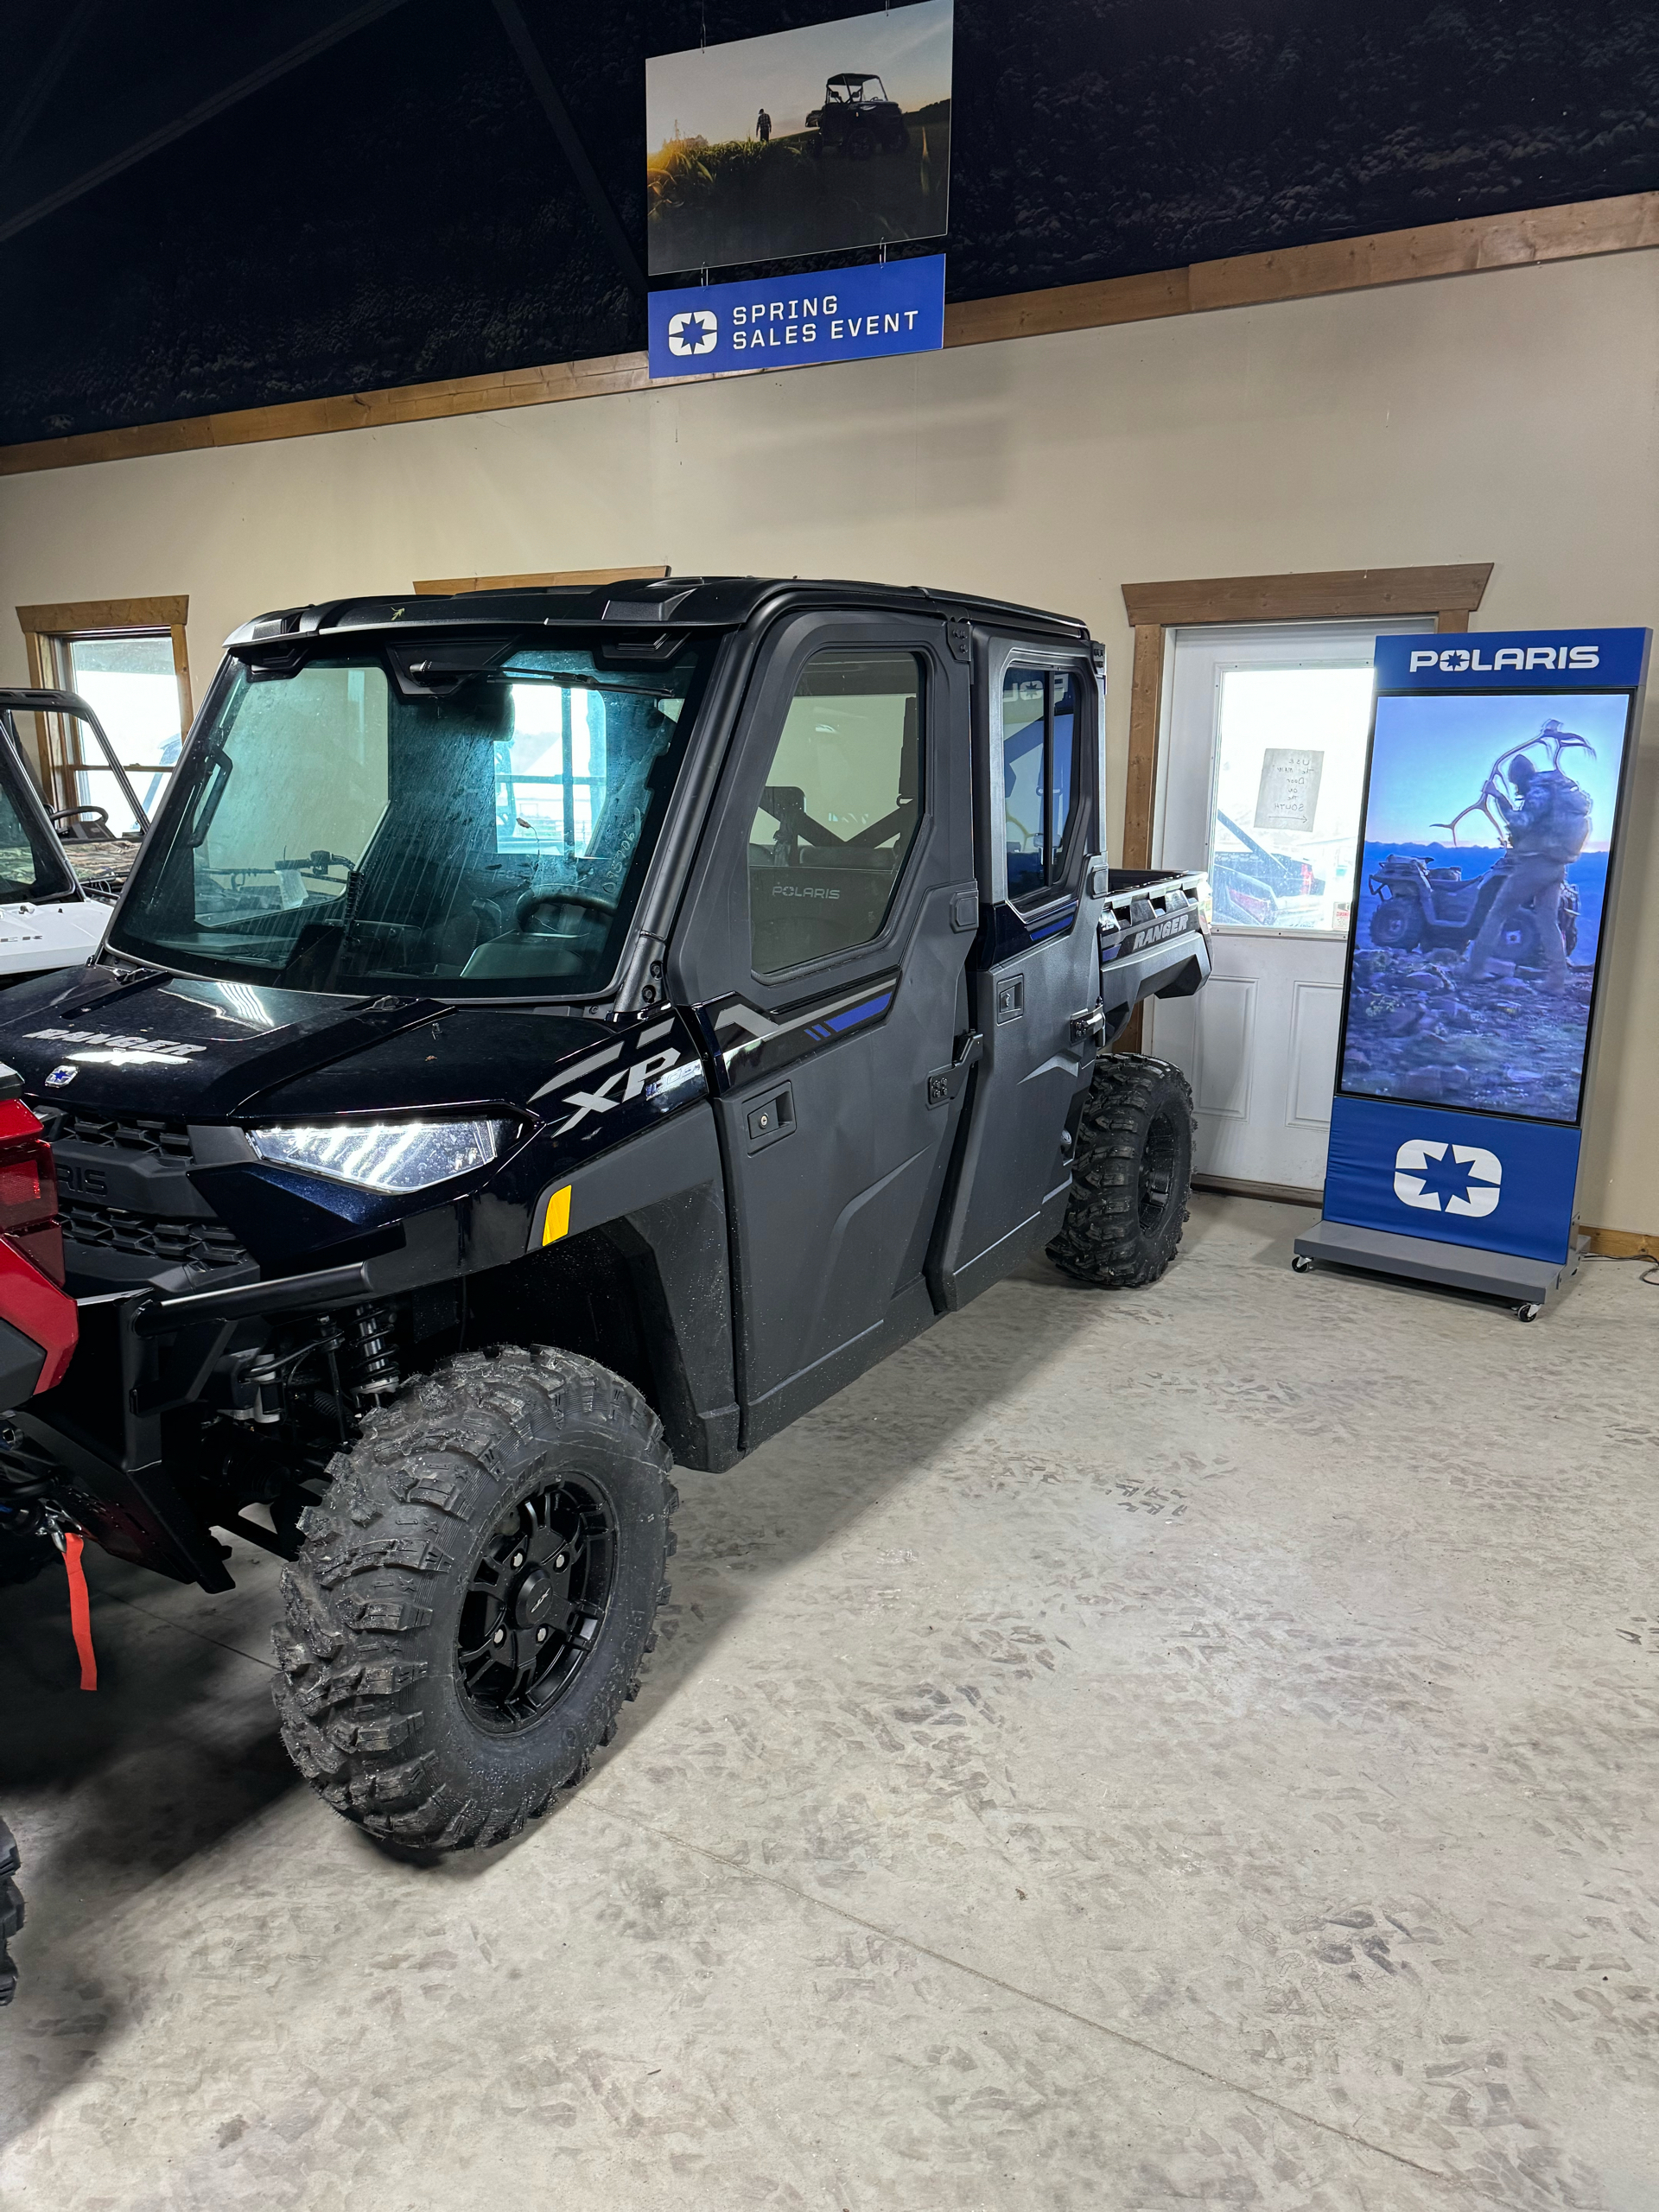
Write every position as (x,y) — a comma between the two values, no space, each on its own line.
(552,1033)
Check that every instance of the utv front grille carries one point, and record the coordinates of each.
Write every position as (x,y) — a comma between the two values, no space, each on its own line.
(152,1236)
(135,1135)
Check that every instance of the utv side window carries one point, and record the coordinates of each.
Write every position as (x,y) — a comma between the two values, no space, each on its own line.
(839,810)
(1039,774)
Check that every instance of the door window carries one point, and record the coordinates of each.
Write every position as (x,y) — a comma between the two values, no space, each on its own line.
(1040,731)
(839,809)
(1290,760)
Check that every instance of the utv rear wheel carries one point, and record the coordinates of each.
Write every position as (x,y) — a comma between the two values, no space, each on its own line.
(1131,1174)
(474,1600)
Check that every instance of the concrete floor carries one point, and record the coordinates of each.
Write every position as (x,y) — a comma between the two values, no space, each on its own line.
(1197,1747)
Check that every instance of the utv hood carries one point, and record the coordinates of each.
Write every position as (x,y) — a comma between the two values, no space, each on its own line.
(200,1051)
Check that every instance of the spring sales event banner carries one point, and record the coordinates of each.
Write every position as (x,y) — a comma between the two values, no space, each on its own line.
(1496,775)
(792,322)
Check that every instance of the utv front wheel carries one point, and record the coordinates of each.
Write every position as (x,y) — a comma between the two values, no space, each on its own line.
(474,1600)
(1131,1174)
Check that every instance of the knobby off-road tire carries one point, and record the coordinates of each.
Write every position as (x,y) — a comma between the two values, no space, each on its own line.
(474,1597)
(1131,1174)
(23,1554)
(11,1913)
(1395,923)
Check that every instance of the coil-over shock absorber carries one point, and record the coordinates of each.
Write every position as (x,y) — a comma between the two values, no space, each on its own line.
(368,1357)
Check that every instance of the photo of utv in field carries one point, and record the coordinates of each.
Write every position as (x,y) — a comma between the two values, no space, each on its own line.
(551,1035)
(824,139)
(857,119)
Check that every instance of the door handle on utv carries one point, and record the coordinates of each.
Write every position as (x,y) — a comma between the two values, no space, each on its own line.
(945,1083)
(1089,1024)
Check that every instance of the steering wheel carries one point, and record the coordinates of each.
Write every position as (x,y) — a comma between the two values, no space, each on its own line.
(533,901)
(87,823)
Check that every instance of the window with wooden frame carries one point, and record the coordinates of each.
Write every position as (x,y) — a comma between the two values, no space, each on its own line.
(126,658)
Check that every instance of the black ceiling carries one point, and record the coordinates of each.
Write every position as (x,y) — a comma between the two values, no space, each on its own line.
(397,208)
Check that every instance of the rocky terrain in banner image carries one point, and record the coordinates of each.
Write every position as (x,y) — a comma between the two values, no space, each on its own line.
(1419,1029)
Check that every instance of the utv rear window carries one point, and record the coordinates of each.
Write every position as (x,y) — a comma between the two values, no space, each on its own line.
(330,833)
(839,809)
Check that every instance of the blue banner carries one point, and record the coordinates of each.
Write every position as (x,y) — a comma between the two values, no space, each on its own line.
(1462,1179)
(794,322)
(1520,660)
(1494,783)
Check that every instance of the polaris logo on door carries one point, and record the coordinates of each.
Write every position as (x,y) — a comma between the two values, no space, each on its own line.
(1462,1179)
(791,322)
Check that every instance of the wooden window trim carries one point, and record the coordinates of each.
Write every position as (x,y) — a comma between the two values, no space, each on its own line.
(446,584)
(53,623)
(1446,595)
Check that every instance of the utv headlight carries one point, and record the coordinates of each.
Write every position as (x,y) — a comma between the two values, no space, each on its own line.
(384,1155)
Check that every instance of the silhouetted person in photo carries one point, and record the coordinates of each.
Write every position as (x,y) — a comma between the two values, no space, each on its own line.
(763,127)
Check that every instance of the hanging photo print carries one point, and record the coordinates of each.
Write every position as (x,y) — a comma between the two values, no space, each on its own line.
(814,141)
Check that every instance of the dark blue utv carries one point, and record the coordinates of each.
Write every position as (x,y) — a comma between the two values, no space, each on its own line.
(548,1034)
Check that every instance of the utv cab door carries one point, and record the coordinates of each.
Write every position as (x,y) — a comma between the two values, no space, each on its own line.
(1034,979)
(824,943)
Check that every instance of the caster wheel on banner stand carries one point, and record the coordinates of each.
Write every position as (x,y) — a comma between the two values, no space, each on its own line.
(1301,1264)
(1527,1312)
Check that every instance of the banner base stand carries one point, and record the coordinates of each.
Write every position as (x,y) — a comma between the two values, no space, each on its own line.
(1527,1285)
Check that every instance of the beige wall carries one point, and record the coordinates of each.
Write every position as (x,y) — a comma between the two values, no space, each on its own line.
(1510,416)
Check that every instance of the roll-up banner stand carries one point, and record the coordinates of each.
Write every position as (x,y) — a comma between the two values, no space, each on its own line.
(1496,783)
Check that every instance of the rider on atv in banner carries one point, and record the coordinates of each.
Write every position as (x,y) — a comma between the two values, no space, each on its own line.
(1547,822)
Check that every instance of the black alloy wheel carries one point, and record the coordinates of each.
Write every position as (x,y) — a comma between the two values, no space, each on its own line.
(474,1598)
(535,1603)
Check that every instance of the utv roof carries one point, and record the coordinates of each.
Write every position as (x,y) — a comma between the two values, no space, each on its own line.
(679,602)
(853,77)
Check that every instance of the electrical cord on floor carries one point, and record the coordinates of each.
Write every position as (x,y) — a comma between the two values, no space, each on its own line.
(1650,1274)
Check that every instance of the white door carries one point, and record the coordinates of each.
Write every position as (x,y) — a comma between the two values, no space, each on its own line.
(1260,777)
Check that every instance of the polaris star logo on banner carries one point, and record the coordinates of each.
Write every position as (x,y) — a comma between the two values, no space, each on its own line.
(1462,1178)
(1520,660)
(694,334)
(790,322)
(1420,1171)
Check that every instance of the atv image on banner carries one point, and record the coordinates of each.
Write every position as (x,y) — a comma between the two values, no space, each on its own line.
(1421,908)
(549,1034)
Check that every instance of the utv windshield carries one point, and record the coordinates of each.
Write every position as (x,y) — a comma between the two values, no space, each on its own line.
(329,833)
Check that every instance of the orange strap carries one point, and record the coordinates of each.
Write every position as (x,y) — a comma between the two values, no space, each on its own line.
(80,1609)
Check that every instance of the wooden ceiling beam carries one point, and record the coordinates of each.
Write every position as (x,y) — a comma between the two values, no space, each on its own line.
(1480,243)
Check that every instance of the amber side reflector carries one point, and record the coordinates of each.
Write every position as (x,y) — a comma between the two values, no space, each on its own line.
(557,1221)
